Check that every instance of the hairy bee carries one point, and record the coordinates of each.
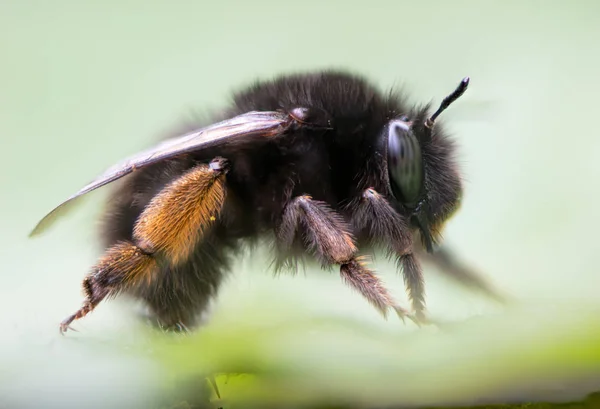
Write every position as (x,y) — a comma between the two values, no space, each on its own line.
(323,163)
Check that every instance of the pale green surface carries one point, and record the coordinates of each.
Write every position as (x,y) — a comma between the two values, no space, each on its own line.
(83,84)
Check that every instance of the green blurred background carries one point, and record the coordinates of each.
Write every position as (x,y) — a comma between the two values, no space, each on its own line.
(83,84)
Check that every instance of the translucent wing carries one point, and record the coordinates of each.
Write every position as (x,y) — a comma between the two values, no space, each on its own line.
(266,124)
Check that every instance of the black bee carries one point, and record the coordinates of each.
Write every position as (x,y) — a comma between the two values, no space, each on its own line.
(323,164)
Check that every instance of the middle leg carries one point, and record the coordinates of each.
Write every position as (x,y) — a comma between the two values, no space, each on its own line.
(325,235)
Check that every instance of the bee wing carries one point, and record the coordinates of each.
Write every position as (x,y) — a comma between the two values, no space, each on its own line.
(241,127)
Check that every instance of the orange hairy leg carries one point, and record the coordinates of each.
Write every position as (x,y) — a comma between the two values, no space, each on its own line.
(168,230)
(177,218)
(325,235)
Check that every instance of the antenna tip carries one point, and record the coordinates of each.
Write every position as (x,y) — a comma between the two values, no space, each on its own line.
(462,87)
(464,84)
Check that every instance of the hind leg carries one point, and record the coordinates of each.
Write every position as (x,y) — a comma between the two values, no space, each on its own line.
(165,235)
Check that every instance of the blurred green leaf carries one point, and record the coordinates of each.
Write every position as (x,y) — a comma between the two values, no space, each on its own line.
(311,361)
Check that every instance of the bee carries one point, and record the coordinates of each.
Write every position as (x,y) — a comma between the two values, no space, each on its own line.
(323,164)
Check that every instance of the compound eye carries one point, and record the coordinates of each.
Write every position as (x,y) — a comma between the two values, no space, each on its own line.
(405,162)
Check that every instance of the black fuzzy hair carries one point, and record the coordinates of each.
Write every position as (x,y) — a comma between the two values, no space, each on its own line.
(334,166)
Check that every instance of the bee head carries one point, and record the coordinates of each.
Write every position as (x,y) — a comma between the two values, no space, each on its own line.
(422,173)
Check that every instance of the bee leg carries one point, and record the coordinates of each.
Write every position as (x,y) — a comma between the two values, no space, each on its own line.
(122,264)
(327,237)
(355,273)
(414,282)
(372,213)
(169,228)
(448,264)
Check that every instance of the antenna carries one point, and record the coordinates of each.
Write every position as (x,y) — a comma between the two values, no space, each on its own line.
(462,87)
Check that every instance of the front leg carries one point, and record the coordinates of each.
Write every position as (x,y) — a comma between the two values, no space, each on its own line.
(373,214)
(324,234)
(449,264)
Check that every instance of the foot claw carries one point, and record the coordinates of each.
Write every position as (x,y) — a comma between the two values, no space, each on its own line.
(66,324)
(415,319)
(402,313)
(418,318)
(64,327)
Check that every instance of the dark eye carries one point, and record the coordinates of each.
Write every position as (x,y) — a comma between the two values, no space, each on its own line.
(404,161)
